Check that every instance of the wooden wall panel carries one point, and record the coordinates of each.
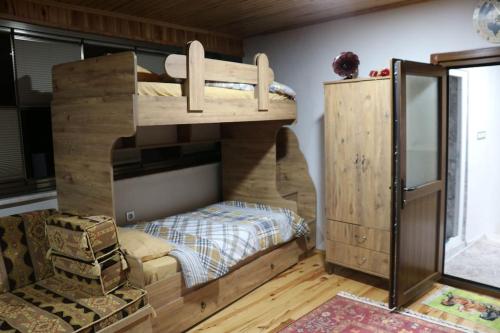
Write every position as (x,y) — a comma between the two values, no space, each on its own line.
(113,24)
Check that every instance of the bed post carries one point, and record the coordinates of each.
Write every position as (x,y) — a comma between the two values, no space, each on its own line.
(92,106)
(195,76)
(263,81)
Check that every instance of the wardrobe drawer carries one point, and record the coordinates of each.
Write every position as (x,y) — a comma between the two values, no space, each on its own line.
(368,238)
(339,231)
(372,262)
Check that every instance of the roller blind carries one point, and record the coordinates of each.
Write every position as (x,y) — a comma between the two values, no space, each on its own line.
(7,95)
(34,60)
(152,61)
(11,155)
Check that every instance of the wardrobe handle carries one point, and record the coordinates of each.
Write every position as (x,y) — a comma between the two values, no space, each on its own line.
(362,261)
(360,239)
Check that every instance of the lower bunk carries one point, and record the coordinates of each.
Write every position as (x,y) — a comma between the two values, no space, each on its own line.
(218,254)
(179,308)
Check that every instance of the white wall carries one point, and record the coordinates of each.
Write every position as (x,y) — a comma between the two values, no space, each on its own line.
(483,176)
(167,193)
(302,58)
(152,196)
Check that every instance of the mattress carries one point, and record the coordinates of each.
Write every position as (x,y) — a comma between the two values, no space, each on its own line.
(175,90)
(209,241)
(159,269)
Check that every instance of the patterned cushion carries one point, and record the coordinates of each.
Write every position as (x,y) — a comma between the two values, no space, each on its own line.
(97,278)
(24,244)
(56,305)
(84,238)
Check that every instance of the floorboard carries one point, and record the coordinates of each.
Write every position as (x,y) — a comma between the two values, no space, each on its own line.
(299,290)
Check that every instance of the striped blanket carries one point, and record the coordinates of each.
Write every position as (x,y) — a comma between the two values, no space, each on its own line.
(209,241)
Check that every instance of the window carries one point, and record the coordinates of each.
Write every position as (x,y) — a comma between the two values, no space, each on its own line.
(8,95)
(25,123)
(37,142)
(155,62)
(95,49)
(34,60)
(11,155)
(26,150)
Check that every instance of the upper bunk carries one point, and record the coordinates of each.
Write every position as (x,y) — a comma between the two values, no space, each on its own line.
(112,80)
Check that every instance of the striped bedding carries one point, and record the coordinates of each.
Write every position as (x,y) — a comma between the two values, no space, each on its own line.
(209,241)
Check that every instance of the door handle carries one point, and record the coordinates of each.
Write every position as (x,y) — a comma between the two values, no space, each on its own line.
(409,189)
(405,189)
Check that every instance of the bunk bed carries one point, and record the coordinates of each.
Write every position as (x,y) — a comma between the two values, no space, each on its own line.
(100,100)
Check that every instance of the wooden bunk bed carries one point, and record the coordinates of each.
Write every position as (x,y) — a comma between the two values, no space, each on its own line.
(97,101)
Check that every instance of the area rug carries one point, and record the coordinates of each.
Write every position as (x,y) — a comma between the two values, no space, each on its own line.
(468,305)
(346,313)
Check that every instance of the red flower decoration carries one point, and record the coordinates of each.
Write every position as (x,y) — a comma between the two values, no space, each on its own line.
(385,72)
(346,65)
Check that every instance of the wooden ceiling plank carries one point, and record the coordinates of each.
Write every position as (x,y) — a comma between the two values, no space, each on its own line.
(82,19)
(242,18)
(297,16)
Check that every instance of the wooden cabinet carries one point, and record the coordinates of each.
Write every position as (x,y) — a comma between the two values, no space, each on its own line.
(358,144)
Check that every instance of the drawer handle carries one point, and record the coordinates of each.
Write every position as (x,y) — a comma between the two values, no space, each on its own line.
(360,239)
(361,260)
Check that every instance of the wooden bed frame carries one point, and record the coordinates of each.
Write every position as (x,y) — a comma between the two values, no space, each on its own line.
(96,102)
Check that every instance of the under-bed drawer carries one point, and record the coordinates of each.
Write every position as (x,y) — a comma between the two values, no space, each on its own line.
(376,263)
(368,238)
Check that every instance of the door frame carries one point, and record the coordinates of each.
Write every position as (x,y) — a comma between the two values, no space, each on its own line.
(454,60)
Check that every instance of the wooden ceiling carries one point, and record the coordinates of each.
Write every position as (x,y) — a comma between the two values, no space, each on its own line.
(241,18)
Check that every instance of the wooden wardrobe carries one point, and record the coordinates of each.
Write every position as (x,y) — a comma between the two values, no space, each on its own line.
(358,143)
(386,175)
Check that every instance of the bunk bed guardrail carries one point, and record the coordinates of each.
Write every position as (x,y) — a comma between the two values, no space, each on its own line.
(196,69)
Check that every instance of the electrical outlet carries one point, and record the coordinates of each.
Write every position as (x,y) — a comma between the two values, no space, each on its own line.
(130,215)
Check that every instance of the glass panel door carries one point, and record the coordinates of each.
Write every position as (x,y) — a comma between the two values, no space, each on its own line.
(419,179)
(422,128)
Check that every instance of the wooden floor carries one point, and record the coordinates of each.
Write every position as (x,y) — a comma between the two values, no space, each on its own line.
(299,290)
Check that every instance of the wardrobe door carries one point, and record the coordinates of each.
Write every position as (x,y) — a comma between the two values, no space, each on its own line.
(419,178)
(358,152)
(373,134)
(342,155)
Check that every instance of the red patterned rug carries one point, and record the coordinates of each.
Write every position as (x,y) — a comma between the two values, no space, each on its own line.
(346,313)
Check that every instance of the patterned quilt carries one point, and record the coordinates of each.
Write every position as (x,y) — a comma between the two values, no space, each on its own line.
(211,240)
(274,87)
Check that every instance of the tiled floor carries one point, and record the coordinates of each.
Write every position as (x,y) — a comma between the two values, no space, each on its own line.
(479,262)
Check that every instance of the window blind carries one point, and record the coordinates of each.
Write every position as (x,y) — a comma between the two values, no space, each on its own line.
(11,155)
(34,60)
(153,61)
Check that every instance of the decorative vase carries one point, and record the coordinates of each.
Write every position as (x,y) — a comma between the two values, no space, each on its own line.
(346,65)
